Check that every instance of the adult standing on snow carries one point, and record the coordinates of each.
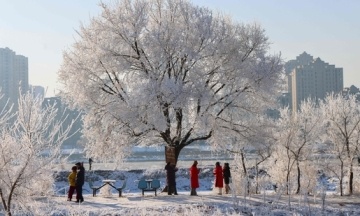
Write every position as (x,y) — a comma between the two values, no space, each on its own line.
(90,163)
(194,178)
(170,178)
(79,182)
(218,173)
(227,175)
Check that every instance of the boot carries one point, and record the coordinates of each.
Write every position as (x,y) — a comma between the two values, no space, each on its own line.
(193,192)
(175,191)
(170,190)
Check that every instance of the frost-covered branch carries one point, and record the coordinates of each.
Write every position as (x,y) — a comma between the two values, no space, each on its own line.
(168,72)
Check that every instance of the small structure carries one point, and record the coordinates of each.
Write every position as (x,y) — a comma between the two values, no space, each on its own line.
(149,185)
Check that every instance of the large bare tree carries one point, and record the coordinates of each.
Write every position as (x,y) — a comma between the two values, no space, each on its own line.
(165,72)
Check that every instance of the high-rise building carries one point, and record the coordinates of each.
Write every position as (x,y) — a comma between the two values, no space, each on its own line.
(14,75)
(312,78)
(37,91)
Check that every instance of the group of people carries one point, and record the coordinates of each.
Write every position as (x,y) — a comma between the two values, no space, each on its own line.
(76,181)
(222,175)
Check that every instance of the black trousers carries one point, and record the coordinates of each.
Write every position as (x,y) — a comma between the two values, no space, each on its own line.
(172,189)
(79,196)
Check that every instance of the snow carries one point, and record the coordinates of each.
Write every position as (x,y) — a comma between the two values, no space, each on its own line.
(206,203)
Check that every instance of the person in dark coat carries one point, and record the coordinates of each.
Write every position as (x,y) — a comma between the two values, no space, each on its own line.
(90,163)
(227,175)
(170,178)
(194,178)
(79,182)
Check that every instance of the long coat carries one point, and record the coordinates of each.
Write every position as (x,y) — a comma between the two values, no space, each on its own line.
(80,177)
(170,174)
(194,177)
(218,177)
(227,174)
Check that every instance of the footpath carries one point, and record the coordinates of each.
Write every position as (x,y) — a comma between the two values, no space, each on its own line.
(135,202)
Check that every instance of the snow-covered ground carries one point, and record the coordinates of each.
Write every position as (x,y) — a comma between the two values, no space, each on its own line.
(207,203)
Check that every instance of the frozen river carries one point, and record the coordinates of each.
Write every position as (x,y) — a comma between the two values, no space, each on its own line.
(153,157)
(133,165)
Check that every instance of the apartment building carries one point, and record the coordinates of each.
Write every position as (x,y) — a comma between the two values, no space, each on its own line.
(14,75)
(312,78)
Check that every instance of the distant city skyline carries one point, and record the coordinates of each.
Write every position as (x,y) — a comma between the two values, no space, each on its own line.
(310,77)
(14,76)
(42,29)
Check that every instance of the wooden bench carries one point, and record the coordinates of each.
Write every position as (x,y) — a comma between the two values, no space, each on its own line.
(149,185)
(119,189)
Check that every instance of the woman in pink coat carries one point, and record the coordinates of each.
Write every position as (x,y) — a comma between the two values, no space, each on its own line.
(218,177)
(194,178)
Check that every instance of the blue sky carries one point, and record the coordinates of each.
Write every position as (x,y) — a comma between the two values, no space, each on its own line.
(329,29)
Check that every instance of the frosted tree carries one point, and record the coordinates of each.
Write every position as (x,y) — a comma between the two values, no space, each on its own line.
(30,144)
(343,122)
(164,72)
(251,146)
(298,132)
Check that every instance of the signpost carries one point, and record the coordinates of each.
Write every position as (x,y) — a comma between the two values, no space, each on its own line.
(169,157)
(170,154)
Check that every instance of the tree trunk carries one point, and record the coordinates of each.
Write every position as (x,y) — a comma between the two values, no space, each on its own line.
(6,205)
(351,179)
(287,182)
(243,162)
(177,150)
(341,178)
(257,178)
(172,153)
(245,172)
(298,178)
(177,153)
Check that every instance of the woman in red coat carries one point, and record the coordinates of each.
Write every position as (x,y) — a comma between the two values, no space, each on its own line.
(194,178)
(218,173)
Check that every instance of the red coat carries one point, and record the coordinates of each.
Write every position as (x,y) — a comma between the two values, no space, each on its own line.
(218,177)
(194,177)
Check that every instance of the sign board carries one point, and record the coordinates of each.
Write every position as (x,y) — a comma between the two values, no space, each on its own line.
(170,154)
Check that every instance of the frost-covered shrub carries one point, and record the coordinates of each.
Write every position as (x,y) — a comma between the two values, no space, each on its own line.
(30,145)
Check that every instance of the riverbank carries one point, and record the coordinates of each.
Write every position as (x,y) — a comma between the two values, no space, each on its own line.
(130,165)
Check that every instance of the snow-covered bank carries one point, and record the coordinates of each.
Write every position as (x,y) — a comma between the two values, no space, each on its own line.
(207,203)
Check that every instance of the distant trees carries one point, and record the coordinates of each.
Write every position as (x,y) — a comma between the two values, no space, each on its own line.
(166,73)
(255,139)
(297,134)
(335,124)
(30,144)
(342,115)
